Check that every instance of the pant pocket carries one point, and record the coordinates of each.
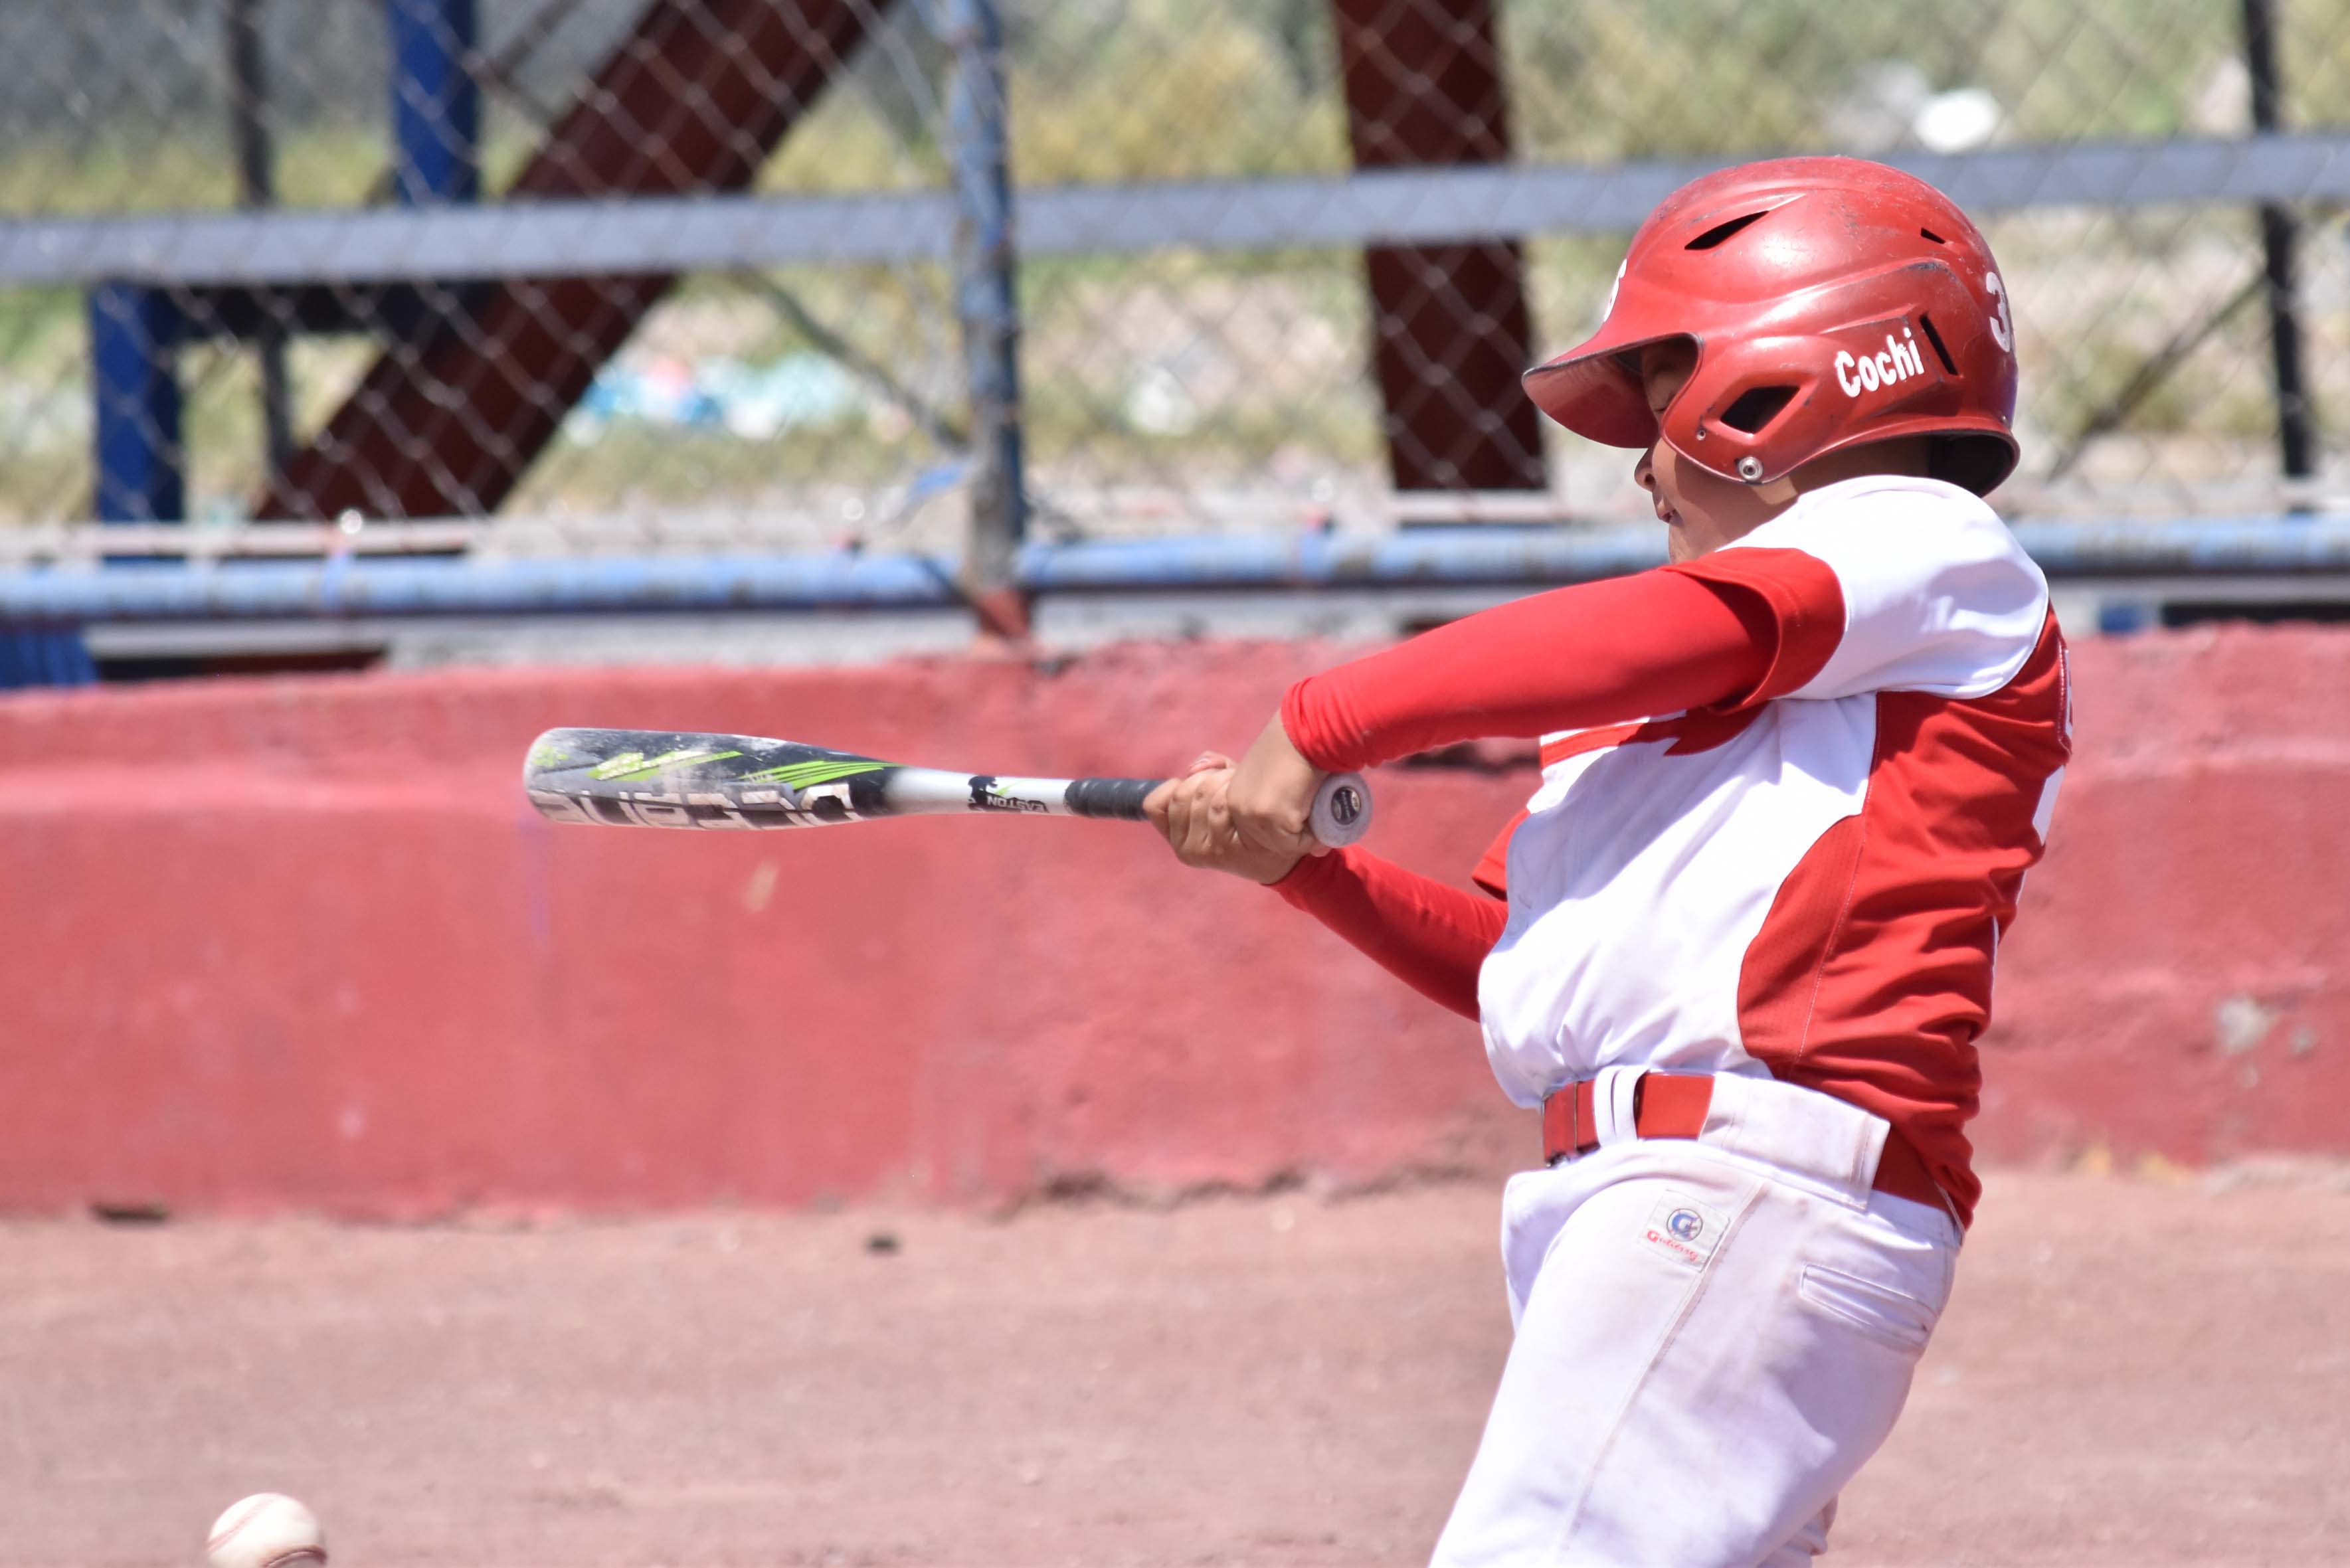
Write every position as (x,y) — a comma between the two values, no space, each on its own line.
(1882,1312)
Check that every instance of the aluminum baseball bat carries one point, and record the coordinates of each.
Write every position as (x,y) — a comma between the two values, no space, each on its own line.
(668,778)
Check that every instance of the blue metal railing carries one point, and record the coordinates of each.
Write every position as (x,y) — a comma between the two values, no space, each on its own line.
(350,586)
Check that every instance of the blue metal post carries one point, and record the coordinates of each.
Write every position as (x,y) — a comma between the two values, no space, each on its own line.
(45,656)
(133,334)
(436,104)
(987,300)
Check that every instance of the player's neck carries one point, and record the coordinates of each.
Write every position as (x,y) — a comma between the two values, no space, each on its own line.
(1909,458)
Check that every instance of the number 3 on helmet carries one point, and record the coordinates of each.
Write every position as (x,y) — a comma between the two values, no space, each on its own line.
(1832,302)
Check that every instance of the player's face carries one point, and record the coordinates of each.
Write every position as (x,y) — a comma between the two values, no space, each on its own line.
(1700,510)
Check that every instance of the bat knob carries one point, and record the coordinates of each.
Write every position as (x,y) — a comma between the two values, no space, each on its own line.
(1342,810)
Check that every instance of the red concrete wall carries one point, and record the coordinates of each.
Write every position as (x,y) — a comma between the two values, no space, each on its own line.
(2178,982)
(300,943)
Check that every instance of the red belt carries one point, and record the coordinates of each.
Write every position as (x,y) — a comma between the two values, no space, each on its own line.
(1673,1105)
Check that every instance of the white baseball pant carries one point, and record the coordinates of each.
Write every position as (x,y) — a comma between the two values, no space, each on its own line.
(1712,1335)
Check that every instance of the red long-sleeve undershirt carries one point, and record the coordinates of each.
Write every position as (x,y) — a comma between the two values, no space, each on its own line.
(1428,935)
(1598,653)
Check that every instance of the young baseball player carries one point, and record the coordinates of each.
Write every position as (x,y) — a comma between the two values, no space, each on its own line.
(1738,947)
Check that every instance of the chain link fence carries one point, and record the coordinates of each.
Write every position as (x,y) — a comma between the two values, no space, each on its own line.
(2187,356)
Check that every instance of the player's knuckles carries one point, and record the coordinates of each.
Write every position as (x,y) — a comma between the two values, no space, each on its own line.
(1176,821)
(1200,814)
(1212,832)
(1198,828)
(1209,853)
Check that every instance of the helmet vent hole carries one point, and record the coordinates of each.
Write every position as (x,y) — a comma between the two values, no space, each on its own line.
(1942,353)
(1755,408)
(1930,234)
(1721,232)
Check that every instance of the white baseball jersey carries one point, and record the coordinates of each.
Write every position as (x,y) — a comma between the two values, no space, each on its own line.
(1809,881)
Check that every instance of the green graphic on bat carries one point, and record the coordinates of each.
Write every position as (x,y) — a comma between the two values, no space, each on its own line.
(635,765)
(802,775)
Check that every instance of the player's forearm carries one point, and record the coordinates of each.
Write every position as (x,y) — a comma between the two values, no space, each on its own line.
(1432,937)
(1598,653)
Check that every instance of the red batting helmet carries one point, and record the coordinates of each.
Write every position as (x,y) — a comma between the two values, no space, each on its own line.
(1832,302)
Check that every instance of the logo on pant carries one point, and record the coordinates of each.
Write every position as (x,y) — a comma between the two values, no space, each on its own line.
(1683,1227)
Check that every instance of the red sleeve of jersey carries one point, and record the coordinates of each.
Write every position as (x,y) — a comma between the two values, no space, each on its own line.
(1658,642)
(1432,936)
(1801,596)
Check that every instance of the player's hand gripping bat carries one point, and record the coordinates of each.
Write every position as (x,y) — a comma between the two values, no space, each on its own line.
(660,778)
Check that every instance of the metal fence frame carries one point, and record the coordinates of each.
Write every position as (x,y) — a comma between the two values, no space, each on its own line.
(440,236)
(578,239)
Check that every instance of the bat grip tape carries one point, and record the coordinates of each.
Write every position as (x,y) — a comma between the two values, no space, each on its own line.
(1108,797)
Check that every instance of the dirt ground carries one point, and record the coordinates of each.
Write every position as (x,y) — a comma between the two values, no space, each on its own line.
(2133,1372)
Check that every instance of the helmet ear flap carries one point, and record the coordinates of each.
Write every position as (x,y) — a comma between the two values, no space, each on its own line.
(1737,415)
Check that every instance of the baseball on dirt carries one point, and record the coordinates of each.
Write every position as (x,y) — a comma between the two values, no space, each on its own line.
(266,1530)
